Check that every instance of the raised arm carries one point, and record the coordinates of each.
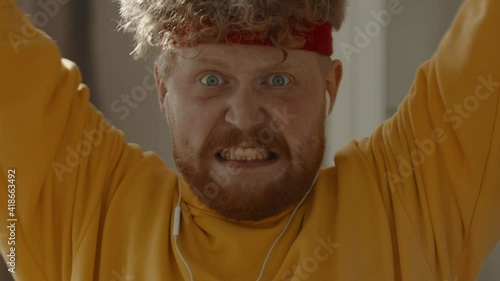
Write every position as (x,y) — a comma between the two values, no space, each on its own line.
(68,161)
(438,158)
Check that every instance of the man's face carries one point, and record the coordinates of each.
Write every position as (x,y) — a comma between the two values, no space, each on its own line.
(248,127)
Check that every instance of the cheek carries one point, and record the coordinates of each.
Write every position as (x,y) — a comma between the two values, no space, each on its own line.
(194,123)
(302,137)
(305,126)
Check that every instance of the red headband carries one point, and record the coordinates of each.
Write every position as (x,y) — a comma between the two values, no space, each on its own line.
(318,40)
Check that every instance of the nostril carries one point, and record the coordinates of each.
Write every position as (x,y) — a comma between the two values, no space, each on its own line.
(246,117)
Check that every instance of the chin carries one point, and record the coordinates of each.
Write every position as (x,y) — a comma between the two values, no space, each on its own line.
(252,194)
(247,180)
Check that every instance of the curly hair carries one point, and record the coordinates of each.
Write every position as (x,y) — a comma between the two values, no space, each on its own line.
(162,23)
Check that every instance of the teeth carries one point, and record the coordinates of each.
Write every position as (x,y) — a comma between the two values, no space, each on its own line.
(240,154)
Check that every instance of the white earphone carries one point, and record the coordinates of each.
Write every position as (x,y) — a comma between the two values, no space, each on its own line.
(177,212)
(327,105)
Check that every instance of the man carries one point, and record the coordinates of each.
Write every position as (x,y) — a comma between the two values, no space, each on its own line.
(246,87)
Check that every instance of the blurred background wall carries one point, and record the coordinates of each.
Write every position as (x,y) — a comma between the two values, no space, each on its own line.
(376,78)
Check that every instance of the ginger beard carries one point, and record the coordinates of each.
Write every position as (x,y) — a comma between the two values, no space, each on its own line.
(241,193)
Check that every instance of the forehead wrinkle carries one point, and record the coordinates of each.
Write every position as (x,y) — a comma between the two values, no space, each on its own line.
(244,59)
(211,61)
(231,63)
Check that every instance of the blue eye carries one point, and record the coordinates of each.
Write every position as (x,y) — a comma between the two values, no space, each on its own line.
(278,80)
(212,80)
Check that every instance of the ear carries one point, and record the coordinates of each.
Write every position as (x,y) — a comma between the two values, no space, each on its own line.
(162,90)
(333,78)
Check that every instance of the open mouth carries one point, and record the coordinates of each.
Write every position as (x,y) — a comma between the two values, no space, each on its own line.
(245,154)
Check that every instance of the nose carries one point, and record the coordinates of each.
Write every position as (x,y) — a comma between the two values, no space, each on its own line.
(245,109)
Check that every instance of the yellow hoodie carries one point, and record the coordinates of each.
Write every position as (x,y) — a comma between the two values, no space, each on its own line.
(419,200)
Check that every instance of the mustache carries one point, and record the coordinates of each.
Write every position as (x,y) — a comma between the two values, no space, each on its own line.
(260,137)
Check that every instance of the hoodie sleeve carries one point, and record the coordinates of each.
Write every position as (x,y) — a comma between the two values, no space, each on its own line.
(60,161)
(438,157)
